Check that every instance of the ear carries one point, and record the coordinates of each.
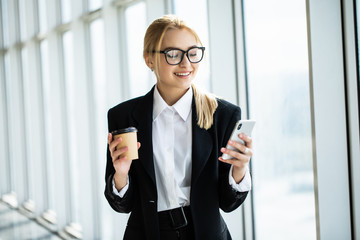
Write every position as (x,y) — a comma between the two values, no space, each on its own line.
(149,61)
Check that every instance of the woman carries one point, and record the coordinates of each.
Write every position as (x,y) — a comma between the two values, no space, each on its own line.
(176,187)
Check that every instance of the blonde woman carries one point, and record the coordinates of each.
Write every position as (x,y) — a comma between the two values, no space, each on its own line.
(177,186)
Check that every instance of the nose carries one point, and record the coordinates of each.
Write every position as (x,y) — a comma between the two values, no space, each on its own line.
(185,61)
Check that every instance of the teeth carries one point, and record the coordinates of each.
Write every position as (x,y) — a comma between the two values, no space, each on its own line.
(182,74)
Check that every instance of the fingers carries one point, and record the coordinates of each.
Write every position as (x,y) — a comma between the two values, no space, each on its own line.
(113,143)
(238,159)
(109,138)
(243,153)
(116,153)
(238,155)
(247,140)
(235,162)
(244,149)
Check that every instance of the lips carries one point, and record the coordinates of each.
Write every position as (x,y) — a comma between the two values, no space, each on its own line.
(182,73)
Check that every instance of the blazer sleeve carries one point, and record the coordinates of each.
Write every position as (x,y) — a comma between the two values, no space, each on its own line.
(229,198)
(124,204)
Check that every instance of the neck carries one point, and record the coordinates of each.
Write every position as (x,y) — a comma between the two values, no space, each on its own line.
(171,96)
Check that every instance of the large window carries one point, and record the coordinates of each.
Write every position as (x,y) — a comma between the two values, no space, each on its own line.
(65,10)
(99,81)
(197,17)
(94,4)
(64,63)
(139,74)
(44,51)
(278,79)
(5,184)
(42,15)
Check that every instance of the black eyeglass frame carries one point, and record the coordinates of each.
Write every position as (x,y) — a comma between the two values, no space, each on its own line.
(183,53)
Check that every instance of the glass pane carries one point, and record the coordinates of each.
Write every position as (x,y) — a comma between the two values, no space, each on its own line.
(14,89)
(139,81)
(27,134)
(196,16)
(282,168)
(95,4)
(98,111)
(45,75)
(22,19)
(42,15)
(70,106)
(4,145)
(5,21)
(65,11)
(99,78)
(56,135)
(34,129)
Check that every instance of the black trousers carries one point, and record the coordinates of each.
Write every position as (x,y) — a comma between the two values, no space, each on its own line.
(176,224)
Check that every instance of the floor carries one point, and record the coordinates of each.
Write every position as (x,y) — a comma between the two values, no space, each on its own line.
(15,225)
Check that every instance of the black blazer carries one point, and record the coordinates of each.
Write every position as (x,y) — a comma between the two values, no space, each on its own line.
(210,189)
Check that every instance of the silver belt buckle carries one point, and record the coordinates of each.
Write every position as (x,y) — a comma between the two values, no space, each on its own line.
(178,220)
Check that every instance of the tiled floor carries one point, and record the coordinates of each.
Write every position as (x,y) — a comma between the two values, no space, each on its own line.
(16,226)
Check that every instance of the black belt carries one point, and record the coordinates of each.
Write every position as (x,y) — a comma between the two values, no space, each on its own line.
(174,218)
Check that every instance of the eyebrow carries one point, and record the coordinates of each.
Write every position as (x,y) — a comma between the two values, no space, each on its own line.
(170,48)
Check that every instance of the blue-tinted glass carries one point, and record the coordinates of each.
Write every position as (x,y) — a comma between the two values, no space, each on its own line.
(5,22)
(282,167)
(66,11)
(95,4)
(42,4)
(138,72)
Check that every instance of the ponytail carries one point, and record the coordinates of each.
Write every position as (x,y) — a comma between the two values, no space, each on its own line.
(206,105)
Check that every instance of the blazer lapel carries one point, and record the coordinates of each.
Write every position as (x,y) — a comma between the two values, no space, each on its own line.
(201,139)
(143,117)
(201,146)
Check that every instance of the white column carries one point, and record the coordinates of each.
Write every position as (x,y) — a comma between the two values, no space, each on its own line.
(329,126)
(222,50)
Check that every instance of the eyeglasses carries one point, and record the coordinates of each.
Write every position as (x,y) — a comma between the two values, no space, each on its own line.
(175,56)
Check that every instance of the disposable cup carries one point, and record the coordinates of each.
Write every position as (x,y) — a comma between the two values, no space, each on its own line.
(129,139)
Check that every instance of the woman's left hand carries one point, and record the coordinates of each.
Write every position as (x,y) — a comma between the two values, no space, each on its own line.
(241,158)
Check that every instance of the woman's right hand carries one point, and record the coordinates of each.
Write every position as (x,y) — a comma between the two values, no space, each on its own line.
(121,164)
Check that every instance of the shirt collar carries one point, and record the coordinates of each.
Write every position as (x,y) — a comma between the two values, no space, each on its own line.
(182,106)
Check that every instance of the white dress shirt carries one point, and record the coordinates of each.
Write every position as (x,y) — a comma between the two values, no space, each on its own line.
(172,148)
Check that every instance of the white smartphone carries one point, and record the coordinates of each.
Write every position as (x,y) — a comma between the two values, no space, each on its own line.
(242,126)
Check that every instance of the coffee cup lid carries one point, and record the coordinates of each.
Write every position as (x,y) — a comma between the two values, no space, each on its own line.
(124,130)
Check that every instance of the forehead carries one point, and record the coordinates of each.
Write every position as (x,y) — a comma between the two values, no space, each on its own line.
(178,38)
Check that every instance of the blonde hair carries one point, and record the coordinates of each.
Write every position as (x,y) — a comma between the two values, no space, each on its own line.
(206,103)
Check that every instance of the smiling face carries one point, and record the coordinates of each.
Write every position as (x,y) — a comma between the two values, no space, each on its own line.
(175,80)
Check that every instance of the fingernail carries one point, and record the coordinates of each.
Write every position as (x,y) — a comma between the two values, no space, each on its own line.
(230,141)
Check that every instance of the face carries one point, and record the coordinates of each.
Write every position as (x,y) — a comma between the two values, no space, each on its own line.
(176,78)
